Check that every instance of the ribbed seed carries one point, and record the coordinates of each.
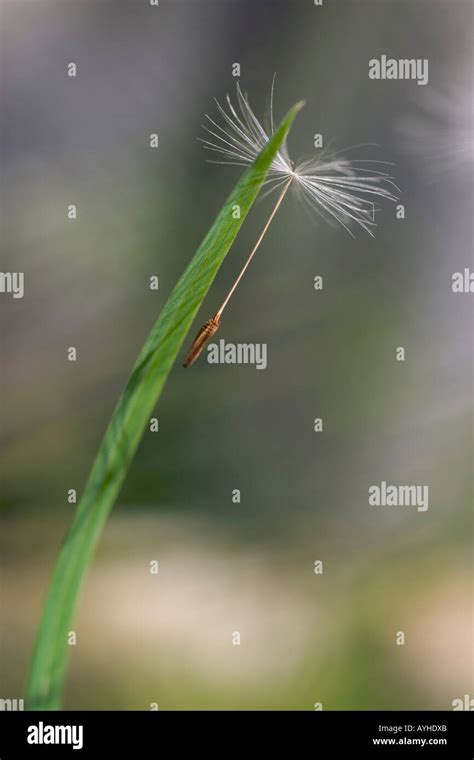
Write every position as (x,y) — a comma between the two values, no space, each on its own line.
(207,331)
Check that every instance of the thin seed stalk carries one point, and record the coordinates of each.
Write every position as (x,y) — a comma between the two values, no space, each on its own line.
(210,327)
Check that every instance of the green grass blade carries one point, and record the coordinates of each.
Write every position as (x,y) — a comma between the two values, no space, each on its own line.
(48,666)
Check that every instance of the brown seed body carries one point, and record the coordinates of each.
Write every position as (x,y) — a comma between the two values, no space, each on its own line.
(205,333)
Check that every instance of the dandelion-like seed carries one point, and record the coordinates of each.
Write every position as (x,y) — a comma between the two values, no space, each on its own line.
(334,187)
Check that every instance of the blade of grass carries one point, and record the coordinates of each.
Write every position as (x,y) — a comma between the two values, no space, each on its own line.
(49,662)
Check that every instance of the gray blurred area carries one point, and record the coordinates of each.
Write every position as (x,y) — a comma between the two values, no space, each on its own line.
(245,567)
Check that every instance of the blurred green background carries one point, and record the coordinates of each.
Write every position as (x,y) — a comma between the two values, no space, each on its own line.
(245,567)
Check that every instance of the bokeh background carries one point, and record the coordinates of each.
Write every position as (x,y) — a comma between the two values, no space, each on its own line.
(245,567)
